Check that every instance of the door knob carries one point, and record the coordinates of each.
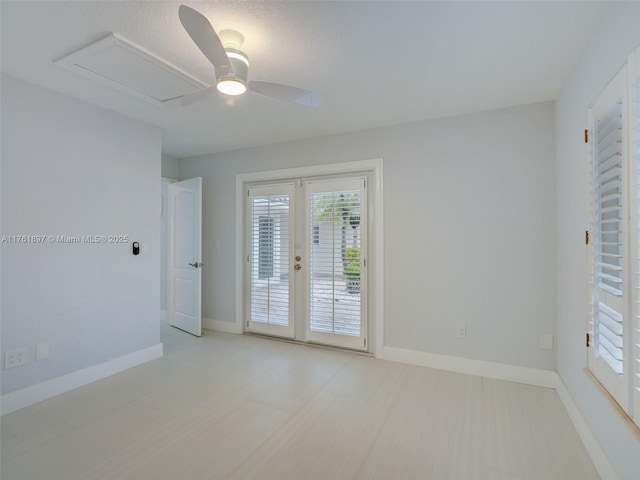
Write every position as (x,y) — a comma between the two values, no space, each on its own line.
(297,266)
(298,258)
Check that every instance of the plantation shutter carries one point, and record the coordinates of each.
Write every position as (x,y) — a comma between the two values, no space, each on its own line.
(609,243)
(270,244)
(634,154)
(610,299)
(337,282)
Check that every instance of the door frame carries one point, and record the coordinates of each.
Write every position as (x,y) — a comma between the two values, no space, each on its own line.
(164,244)
(374,167)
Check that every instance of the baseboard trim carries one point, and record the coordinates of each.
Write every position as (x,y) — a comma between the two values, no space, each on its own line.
(513,373)
(594,449)
(499,371)
(220,325)
(12,401)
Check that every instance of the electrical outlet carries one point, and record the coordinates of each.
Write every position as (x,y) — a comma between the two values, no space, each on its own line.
(15,358)
(462,331)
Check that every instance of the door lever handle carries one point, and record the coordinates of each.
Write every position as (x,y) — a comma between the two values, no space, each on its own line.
(196,265)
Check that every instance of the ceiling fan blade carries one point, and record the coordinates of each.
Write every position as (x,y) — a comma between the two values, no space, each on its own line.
(189,98)
(287,93)
(205,37)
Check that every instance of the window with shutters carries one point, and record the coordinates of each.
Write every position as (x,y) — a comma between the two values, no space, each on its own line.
(634,154)
(614,313)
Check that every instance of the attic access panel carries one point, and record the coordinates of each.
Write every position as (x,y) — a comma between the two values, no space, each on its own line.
(126,67)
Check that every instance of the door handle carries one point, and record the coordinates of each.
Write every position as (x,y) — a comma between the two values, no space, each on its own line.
(196,265)
(297,266)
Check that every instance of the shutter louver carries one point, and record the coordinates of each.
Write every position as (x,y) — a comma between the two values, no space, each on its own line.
(609,243)
(634,138)
(609,201)
(337,279)
(335,263)
(269,221)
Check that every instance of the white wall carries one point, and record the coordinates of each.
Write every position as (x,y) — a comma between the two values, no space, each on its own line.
(614,39)
(469,228)
(170,167)
(69,168)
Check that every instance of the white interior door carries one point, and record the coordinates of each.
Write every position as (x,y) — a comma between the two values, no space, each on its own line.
(185,255)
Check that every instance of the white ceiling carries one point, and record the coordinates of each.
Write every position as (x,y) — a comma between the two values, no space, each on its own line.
(375,63)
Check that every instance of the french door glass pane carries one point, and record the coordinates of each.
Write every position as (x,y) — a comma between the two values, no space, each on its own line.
(269,259)
(335,245)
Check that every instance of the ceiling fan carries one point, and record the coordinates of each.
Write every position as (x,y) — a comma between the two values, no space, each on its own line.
(231,66)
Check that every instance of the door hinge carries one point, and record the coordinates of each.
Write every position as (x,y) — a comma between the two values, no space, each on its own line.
(247,258)
(364,262)
(365,343)
(588,338)
(586,237)
(586,136)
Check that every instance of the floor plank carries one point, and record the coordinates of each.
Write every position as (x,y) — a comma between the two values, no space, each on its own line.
(229,406)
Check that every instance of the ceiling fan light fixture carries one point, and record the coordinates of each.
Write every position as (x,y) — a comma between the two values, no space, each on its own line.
(231,86)
(234,83)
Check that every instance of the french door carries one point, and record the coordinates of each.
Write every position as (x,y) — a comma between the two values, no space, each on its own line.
(306,261)
(271,241)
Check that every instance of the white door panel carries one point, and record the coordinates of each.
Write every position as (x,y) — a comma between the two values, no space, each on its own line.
(185,255)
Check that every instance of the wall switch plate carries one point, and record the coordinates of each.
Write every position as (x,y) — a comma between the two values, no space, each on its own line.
(462,331)
(42,351)
(15,358)
(546,342)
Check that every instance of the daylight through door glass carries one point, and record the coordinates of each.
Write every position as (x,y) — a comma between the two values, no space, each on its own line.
(335,246)
(269,259)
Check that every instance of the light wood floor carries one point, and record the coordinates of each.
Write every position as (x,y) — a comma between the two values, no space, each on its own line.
(242,407)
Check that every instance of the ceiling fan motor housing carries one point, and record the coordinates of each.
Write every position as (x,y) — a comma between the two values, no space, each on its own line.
(240,65)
